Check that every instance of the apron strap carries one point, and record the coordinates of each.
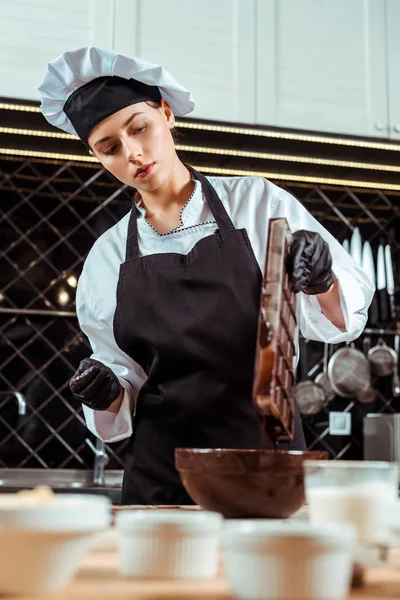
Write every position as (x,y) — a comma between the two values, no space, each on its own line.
(132,242)
(214,202)
(218,211)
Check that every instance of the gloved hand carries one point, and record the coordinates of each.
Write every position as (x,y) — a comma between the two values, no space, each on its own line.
(309,263)
(95,385)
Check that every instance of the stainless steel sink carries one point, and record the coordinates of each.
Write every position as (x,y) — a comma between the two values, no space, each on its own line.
(71,479)
(62,481)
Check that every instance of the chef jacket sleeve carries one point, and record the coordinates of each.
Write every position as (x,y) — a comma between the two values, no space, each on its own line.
(356,290)
(105,425)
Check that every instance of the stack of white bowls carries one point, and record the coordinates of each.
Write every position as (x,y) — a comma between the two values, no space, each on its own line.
(288,560)
(263,559)
(168,544)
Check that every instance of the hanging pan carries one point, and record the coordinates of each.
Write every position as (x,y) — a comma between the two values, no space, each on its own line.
(309,396)
(322,379)
(383,359)
(350,374)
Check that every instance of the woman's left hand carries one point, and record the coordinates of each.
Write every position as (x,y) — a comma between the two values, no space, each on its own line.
(309,263)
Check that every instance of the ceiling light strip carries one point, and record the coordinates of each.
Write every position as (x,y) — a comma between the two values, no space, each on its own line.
(227,152)
(302,178)
(225,172)
(299,137)
(38,133)
(288,158)
(19,107)
(53,155)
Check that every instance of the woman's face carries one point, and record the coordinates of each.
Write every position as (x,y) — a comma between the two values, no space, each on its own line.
(135,145)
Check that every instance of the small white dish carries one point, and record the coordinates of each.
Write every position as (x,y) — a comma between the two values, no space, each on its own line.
(168,544)
(288,560)
(390,519)
(351,492)
(42,543)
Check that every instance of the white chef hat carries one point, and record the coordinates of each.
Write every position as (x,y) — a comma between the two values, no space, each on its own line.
(82,87)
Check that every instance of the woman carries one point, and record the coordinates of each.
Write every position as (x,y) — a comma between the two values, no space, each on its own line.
(169,296)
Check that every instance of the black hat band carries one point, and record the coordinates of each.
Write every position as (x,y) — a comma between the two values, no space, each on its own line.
(102,97)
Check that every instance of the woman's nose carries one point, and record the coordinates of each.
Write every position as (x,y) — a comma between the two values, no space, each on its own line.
(132,151)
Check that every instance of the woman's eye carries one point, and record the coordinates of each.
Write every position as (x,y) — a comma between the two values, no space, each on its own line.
(110,151)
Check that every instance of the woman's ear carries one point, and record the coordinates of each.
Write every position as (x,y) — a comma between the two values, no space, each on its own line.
(167,110)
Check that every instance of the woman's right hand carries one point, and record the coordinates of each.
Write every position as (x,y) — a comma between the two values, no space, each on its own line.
(309,263)
(95,385)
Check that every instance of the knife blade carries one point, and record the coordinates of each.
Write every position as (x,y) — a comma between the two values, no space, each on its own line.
(390,281)
(380,269)
(369,267)
(356,246)
(383,296)
(389,270)
(367,262)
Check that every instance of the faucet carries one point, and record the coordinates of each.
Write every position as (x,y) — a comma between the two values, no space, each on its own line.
(20,399)
(100,461)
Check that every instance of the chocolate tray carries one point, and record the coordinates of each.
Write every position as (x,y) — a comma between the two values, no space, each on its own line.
(274,376)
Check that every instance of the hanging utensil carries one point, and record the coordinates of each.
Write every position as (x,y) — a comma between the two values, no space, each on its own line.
(370,393)
(381,285)
(350,374)
(309,396)
(367,396)
(356,246)
(322,379)
(382,358)
(367,263)
(396,380)
(390,281)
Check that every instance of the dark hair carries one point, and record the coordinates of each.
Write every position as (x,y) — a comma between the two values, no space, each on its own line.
(174,132)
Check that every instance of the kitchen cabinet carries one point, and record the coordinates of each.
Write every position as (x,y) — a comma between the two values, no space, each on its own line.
(32,34)
(208,46)
(393,66)
(321,65)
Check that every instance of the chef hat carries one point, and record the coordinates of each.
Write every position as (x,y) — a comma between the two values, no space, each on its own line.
(82,87)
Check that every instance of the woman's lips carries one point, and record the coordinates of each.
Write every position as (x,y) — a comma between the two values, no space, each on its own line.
(145,171)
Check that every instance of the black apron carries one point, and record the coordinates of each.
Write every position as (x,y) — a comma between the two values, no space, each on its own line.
(190,321)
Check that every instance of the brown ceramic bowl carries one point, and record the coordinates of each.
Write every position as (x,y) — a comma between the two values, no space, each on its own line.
(245,483)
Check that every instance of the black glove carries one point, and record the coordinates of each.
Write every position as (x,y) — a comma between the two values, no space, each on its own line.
(309,263)
(95,385)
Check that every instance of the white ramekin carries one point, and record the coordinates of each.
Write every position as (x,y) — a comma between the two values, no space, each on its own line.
(288,560)
(42,544)
(170,544)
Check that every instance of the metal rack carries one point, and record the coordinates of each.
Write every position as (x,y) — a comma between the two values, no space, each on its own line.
(51,212)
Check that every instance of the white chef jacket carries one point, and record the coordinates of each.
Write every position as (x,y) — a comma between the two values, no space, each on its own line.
(250,203)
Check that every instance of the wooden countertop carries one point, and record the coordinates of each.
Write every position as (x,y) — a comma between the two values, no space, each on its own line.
(98,579)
